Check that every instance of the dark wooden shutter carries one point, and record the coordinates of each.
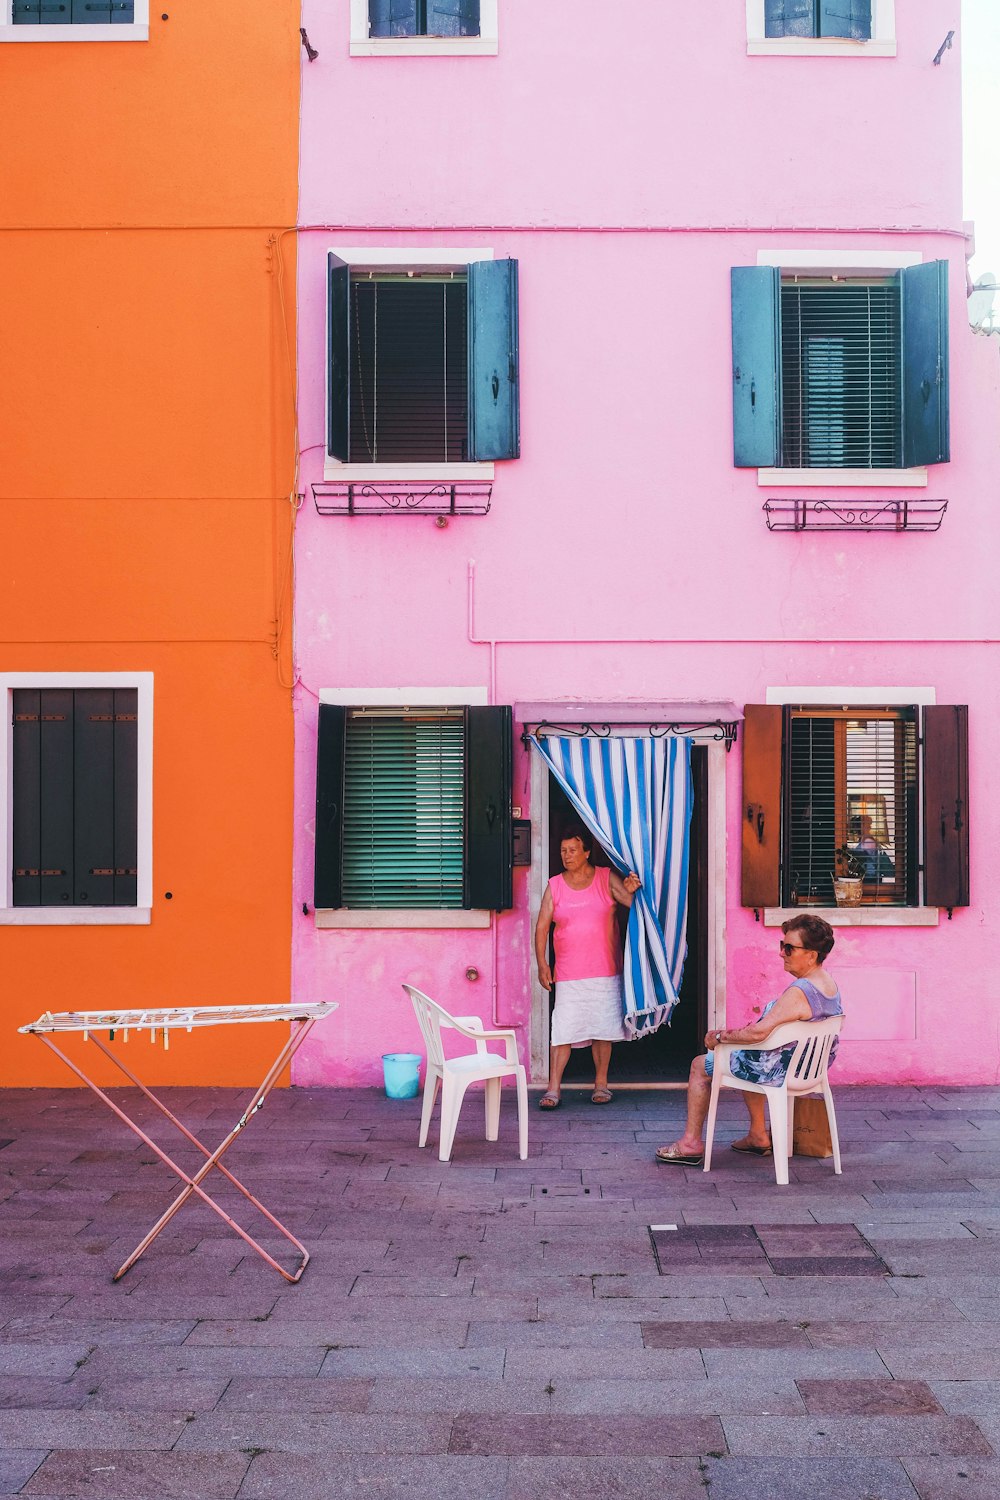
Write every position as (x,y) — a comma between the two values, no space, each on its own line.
(756,366)
(42,12)
(849,18)
(494,419)
(43,797)
(946,806)
(338,358)
(126,794)
(27,810)
(789,18)
(392,18)
(489,828)
(924,308)
(452,17)
(760,883)
(94,796)
(329,805)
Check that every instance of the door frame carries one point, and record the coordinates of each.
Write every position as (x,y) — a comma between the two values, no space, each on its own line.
(715,916)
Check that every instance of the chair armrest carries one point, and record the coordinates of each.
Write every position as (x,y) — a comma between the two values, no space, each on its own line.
(472,1027)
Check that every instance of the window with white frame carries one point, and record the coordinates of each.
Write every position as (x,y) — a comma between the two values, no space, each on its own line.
(74,20)
(426,28)
(821,28)
(422,360)
(76,796)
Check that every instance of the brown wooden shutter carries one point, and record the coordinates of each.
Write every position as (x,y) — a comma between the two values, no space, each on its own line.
(946,806)
(761,810)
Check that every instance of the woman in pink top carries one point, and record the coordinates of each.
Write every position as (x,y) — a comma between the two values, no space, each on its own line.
(588,969)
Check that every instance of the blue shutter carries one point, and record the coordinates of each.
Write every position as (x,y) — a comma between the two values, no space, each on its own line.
(494,407)
(756,368)
(329,832)
(392,18)
(489,827)
(789,18)
(452,17)
(42,12)
(850,18)
(924,305)
(338,358)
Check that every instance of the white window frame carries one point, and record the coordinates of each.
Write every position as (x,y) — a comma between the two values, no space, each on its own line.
(80,916)
(134,31)
(882,42)
(402,698)
(862,697)
(486,44)
(396,258)
(827,262)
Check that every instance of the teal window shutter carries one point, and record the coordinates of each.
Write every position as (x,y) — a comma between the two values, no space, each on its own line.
(452,17)
(846,18)
(924,301)
(789,18)
(327,890)
(489,834)
(42,12)
(392,18)
(494,421)
(338,358)
(756,366)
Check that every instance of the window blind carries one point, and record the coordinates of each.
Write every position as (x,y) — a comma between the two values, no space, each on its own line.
(404,810)
(840,367)
(409,375)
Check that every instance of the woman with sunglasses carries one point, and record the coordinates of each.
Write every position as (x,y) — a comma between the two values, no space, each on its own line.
(812,996)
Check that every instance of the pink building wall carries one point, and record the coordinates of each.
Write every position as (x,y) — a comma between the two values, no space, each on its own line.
(628,166)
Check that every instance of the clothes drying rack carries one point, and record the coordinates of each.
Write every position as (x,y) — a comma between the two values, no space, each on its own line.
(116,1025)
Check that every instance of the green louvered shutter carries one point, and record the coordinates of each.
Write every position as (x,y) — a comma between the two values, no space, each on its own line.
(789,18)
(846,18)
(756,366)
(494,412)
(338,358)
(924,305)
(404,813)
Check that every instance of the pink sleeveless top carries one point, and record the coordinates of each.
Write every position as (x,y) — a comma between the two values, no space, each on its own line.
(586,934)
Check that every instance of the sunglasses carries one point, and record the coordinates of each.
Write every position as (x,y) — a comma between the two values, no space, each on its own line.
(789,948)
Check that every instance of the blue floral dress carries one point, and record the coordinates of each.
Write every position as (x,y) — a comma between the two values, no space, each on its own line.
(769,1066)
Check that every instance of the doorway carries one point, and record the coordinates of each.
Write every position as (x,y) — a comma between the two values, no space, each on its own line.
(665,1056)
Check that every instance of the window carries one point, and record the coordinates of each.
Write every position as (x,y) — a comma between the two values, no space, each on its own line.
(422,362)
(875,791)
(413,808)
(840,372)
(74,20)
(76,798)
(821,28)
(428,28)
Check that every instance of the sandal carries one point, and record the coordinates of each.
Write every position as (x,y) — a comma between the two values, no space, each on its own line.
(670,1156)
(601,1096)
(549,1101)
(749,1150)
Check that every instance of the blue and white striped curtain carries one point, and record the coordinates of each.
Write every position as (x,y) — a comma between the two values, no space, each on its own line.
(635,797)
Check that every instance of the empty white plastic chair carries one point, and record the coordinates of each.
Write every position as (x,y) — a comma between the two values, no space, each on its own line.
(807,1074)
(454,1074)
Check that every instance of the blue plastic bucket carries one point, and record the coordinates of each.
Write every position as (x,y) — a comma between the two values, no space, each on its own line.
(402,1074)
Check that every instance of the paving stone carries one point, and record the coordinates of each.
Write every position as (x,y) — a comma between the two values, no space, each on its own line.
(409,1394)
(601,1334)
(809,1364)
(485,1364)
(630,1364)
(611,1478)
(312,1432)
(88,1429)
(584,1437)
(731,1335)
(740,1397)
(954,1478)
(936,1363)
(176,1393)
(17,1466)
(112,1474)
(31,1391)
(57,1360)
(868,1398)
(334,1331)
(388,1477)
(812,1479)
(827,1437)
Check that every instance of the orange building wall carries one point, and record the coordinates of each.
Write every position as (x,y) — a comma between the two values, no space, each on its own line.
(147,436)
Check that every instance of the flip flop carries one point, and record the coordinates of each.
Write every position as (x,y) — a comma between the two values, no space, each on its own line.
(752,1150)
(670,1156)
(601,1096)
(549,1101)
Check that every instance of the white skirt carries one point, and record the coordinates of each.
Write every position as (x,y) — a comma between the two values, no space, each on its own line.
(587,1010)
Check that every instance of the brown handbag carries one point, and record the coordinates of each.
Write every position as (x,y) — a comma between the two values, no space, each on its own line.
(811,1132)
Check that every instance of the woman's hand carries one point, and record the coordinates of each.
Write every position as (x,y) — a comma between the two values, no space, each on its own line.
(631,883)
(545,976)
(711,1040)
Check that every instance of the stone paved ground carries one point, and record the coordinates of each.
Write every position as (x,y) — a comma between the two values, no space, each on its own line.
(494,1328)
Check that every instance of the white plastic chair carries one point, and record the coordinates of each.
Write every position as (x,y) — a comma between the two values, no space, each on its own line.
(454,1074)
(807,1074)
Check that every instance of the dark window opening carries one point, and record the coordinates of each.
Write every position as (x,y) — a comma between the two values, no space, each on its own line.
(401,18)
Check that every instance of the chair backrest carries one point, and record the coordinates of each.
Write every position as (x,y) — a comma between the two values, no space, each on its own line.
(430,1018)
(813,1042)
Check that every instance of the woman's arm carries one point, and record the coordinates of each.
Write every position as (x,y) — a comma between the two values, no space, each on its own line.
(791,1006)
(542,929)
(623,890)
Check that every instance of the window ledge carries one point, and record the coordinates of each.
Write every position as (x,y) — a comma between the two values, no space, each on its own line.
(75,916)
(327,917)
(857,916)
(101,32)
(434,472)
(426,46)
(859,479)
(802,46)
